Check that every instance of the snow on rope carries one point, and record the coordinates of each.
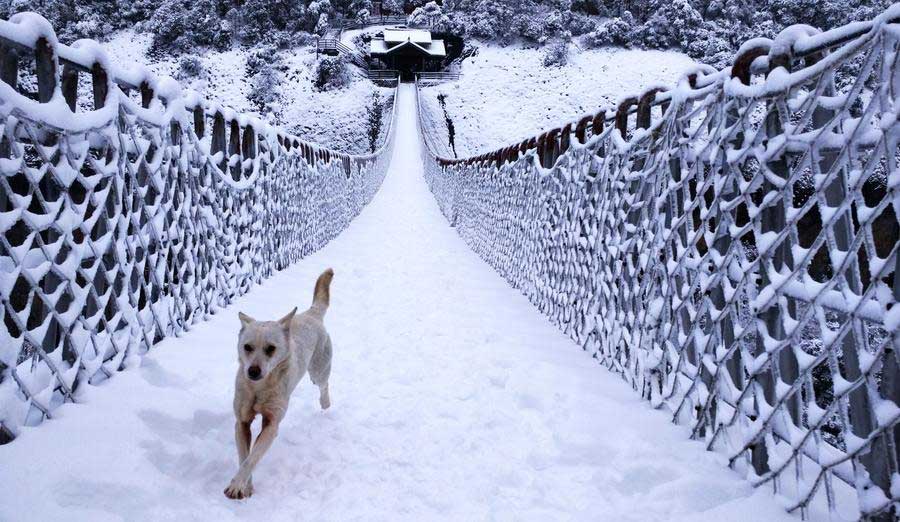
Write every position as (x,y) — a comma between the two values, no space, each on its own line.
(730,247)
(130,213)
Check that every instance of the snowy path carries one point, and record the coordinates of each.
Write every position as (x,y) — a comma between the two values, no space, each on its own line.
(453,399)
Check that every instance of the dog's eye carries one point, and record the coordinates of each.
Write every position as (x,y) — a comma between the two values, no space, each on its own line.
(248,348)
(270,350)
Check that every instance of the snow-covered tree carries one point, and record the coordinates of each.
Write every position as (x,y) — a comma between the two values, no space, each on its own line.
(393,6)
(556,53)
(618,31)
(430,14)
(322,25)
(673,25)
(179,25)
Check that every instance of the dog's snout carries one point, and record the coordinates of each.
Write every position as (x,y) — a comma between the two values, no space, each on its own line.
(254,372)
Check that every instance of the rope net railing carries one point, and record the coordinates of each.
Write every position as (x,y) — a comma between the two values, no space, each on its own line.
(131,209)
(730,247)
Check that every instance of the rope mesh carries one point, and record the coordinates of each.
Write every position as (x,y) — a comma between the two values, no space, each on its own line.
(133,228)
(730,248)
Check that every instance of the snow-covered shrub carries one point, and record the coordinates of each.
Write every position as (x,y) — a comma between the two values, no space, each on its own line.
(554,24)
(556,54)
(181,25)
(362,17)
(189,68)
(590,7)
(489,19)
(136,11)
(331,73)
(615,31)
(531,28)
(265,90)
(579,24)
(395,7)
(260,58)
(322,25)
(818,13)
(374,120)
(263,20)
(82,19)
(673,25)
(430,14)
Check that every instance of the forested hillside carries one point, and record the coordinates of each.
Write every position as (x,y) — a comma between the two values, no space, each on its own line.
(707,30)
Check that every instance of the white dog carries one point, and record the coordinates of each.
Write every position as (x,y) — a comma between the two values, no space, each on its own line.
(274,356)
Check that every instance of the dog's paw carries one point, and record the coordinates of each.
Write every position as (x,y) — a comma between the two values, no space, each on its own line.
(238,490)
(325,402)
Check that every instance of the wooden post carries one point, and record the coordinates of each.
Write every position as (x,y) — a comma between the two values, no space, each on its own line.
(9,66)
(100,81)
(773,218)
(597,125)
(70,85)
(45,68)
(146,94)
(218,139)
(622,116)
(234,148)
(248,143)
(199,121)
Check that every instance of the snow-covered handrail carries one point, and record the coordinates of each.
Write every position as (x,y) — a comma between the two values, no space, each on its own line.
(128,219)
(730,247)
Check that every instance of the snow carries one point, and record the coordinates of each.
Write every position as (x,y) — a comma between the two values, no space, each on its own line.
(506,94)
(453,399)
(333,119)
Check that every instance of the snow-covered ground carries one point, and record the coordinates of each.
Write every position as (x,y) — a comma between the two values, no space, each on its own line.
(334,119)
(452,399)
(506,94)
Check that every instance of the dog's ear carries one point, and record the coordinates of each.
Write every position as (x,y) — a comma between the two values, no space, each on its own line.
(245,319)
(285,321)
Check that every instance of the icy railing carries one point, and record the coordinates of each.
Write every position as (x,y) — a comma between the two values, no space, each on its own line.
(131,213)
(730,247)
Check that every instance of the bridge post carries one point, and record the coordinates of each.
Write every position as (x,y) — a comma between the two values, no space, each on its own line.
(199,121)
(146,94)
(218,139)
(9,66)
(69,85)
(234,148)
(597,125)
(100,80)
(45,69)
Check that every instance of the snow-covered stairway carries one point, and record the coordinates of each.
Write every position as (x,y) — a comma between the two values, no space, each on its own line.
(453,399)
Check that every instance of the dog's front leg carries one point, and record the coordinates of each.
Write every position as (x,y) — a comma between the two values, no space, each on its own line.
(241,485)
(242,438)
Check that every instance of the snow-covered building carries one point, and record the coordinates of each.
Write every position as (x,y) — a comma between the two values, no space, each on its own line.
(408,50)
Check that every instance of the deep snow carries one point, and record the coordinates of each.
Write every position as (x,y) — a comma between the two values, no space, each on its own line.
(334,119)
(453,399)
(506,94)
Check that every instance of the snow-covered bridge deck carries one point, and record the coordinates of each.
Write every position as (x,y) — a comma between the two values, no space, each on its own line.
(453,399)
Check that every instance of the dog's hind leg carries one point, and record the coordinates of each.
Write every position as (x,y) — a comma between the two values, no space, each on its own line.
(320,371)
(324,398)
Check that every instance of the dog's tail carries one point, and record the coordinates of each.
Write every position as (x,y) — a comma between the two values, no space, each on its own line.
(322,293)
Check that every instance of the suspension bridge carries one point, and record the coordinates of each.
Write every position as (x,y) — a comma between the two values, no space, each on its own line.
(670,309)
